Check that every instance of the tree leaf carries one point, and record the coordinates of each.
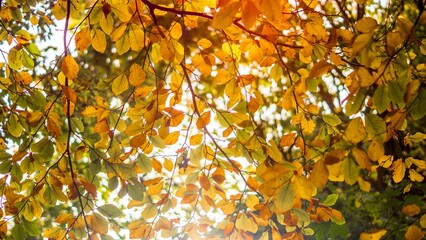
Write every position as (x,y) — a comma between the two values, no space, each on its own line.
(350,171)
(376,127)
(98,223)
(120,84)
(225,16)
(110,211)
(284,197)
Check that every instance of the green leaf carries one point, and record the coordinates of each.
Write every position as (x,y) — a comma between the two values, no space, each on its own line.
(5,167)
(331,200)
(331,119)
(16,172)
(381,98)
(396,94)
(32,228)
(110,211)
(33,49)
(144,163)
(350,171)
(301,215)
(19,232)
(14,59)
(135,192)
(27,60)
(376,127)
(285,197)
(158,142)
(13,126)
(113,183)
(418,107)
(355,104)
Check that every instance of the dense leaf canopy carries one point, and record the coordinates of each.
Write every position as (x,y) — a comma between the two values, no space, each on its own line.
(239,119)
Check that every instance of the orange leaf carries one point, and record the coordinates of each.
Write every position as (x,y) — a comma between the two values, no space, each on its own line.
(219,175)
(98,223)
(69,67)
(204,120)
(414,233)
(204,181)
(411,210)
(172,138)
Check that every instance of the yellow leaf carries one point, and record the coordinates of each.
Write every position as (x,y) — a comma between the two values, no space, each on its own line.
(55,233)
(99,41)
(355,132)
(155,189)
(175,30)
(107,23)
(150,211)
(307,124)
(366,25)
(252,201)
(98,223)
(120,9)
(137,75)
(168,164)
(414,233)
(83,39)
(398,170)
(361,158)
(375,150)
(166,50)
(225,16)
(136,38)
(123,44)
(69,67)
(120,84)
(25,78)
(364,185)
(303,187)
(273,151)
(34,20)
(365,77)
(411,210)
(204,43)
(385,161)
(196,139)
(415,176)
(172,138)
(361,42)
(375,235)
(223,76)
(246,223)
(423,221)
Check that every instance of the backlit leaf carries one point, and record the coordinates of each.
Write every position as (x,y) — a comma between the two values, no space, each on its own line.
(225,16)
(120,84)
(69,67)
(284,197)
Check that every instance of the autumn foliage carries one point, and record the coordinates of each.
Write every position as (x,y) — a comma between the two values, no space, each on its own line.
(227,119)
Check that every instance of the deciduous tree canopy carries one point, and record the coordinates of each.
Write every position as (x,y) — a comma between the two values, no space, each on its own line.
(239,119)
